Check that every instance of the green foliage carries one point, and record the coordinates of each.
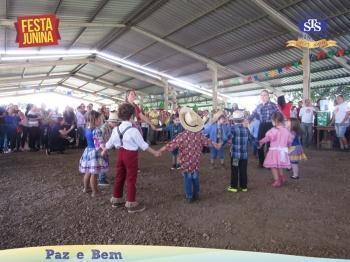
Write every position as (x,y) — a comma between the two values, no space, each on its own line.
(323,92)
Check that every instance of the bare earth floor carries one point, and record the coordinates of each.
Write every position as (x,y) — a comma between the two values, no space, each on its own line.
(41,203)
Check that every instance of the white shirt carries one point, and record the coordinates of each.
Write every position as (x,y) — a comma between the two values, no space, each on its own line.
(132,139)
(80,119)
(340,112)
(306,114)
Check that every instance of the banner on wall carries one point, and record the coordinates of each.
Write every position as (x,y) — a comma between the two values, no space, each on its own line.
(115,253)
(39,30)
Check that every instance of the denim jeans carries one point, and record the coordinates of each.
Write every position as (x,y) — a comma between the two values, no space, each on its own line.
(191,183)
(102,177)
(307,133)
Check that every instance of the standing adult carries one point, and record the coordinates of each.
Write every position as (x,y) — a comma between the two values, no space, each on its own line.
(80,116)
(341,117)
(263,112)
(139,116)
(70,120)
(306,115)
(300,105)
(33,116)
(284,107)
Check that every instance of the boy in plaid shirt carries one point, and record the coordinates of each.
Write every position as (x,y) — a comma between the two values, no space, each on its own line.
(190,143)
(239,153)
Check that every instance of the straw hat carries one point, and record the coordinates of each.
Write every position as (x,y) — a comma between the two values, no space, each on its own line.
(190,120)
(238,115)
(113,117)
(217,116)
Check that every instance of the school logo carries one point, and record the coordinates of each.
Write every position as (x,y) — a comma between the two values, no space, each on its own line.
(313,26)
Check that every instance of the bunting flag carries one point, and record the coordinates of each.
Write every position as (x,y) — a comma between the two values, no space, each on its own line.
(321,55)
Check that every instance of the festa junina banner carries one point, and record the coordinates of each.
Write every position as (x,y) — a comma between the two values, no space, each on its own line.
(95,253)
(39,30)
(303,43)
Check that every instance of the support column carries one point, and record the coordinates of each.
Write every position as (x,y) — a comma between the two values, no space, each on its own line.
(214,71)
(306,73)
(166,94)
(173,97)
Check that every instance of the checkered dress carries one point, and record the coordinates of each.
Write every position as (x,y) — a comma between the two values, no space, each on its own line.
(92,161)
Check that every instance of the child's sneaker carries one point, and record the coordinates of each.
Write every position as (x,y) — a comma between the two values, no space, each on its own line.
(232,189)
(173,167)
(103,182)
(140,207)
(294,177)
(244,189)
(178,167)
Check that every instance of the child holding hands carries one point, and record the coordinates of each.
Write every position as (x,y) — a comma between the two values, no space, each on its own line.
(190,143)
(277,158)
(128,140)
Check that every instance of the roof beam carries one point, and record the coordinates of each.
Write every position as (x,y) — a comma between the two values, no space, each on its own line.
(21,64)
(288,24)
(196,56)
(97,11)
(186,23)
(19,79)
(90,92)
(88,78)
(69,24)
(146,9)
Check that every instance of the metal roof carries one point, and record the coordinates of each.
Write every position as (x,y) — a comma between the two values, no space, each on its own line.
(237,34)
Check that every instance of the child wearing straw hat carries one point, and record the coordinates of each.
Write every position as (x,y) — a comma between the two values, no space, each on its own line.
(190,143)
(218,132)
(240,136)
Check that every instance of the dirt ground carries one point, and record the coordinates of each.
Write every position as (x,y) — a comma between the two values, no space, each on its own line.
(41,203)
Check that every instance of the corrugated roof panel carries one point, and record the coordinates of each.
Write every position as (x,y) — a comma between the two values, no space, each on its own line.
(135,83)
(173,62)
(74,82)
(93,70)
(91,36)
(109,92)
(223,19)
(80,10)
(11,72)
(92,87)
(68,34)
(37,70)
(117,11)
(244,50)
(63,68)
(128,43)
(155,52)
(51,81)
(247,33)
(268,62)
(175,14)
(25,7)
(115,77)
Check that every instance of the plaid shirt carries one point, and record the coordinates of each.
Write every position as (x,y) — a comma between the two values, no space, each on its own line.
(190,146)
(240,137)
(264,112)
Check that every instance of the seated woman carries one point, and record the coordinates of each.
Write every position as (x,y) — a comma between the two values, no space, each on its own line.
(58,137)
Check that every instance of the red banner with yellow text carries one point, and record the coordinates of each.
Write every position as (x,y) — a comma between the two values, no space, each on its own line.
(39,30)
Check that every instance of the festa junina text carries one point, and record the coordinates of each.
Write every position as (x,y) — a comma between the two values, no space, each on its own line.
(37,30)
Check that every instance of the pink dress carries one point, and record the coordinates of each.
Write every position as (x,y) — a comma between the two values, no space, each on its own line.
(277,157)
